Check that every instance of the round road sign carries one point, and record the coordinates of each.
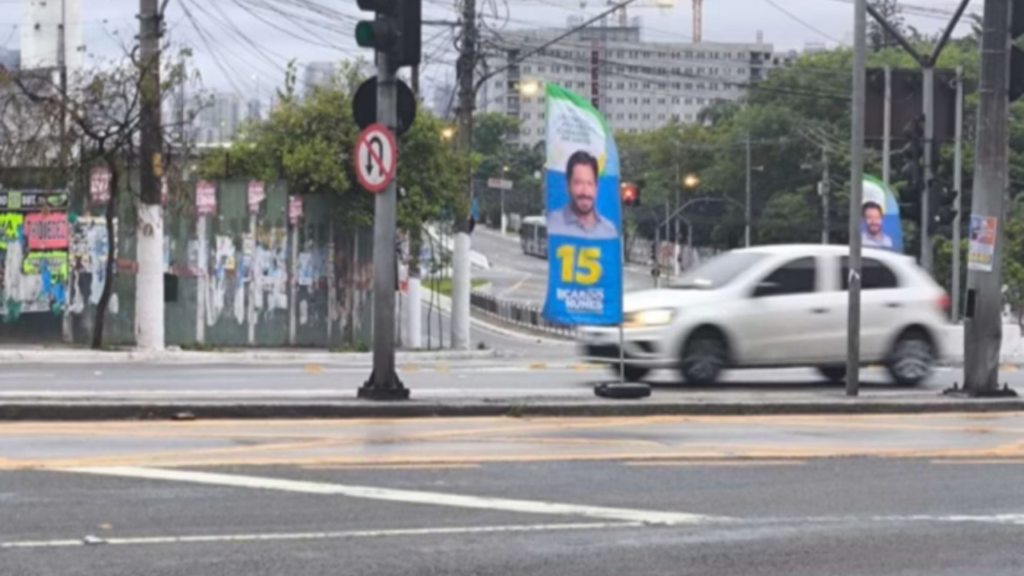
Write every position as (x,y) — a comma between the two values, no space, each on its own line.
(376,158)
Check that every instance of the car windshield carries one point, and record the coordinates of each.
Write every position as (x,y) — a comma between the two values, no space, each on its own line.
(717,272)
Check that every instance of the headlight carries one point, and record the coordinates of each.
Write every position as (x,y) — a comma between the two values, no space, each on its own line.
(658,317)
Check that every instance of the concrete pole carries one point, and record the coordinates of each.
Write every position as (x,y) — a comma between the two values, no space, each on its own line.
(856,195)
(929,137)
(887,129)
(983,329)
(826,192)
(293,289)
(746,203)
(202,261)
(958,177)
(149,286)
(464,140)
(384,383)
(252,283)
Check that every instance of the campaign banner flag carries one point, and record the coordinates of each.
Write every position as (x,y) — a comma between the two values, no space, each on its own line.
(880,226)
(584,214)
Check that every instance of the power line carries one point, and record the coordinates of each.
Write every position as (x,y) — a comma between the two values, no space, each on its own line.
(801,21)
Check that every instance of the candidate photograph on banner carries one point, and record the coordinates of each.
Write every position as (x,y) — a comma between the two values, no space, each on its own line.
(880,225)
(584,214)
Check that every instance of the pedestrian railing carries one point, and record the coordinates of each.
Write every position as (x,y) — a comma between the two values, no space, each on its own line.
(518,314)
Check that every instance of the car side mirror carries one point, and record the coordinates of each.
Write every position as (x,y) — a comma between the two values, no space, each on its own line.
(766,288)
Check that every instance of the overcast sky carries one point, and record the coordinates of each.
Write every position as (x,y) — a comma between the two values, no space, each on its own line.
(229,62)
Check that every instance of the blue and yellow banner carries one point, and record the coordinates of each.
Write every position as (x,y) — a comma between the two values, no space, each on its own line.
(584,218)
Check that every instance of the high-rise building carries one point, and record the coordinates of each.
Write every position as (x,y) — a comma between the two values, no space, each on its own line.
(40,28)
(637,85)
(218,122)
(254,110)
(10,59)
(443,101)
(318,74)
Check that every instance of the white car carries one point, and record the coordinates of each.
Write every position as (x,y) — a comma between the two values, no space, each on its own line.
(779,306)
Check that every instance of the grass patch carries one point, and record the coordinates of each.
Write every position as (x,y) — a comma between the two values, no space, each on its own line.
(444,286)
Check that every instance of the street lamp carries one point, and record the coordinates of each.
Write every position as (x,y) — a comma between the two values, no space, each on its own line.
(447,133)
(691,181)
(529,88)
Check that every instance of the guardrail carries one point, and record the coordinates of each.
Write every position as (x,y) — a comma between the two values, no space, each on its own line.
(518,314)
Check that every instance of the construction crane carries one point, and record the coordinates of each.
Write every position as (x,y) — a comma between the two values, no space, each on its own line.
(698,25)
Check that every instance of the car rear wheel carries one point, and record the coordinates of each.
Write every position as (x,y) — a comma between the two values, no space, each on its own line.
(833,373)
(912,359)
(704,357)
(632,373)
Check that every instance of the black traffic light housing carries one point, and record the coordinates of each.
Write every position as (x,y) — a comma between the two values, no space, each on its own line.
(630,194)
(1016,85)
(396,30)
(943,204)
(912,171)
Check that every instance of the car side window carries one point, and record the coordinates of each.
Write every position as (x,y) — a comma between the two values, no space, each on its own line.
(874,275)
(796,277)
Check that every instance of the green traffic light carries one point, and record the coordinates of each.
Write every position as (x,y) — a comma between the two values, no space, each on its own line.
(365,35)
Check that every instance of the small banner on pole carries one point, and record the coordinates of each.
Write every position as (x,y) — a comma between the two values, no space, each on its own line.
(880,226)
(99,185)
(206,198)
(294,209)
(257,193)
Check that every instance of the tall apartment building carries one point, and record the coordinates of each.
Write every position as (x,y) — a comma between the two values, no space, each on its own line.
(10,59)
(218,122)
(318,74)
(41,22)
(637,85)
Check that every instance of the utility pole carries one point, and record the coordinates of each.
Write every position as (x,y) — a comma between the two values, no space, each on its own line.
(464,141)
(887,129)
(928,107)
(746,203)
(983,330)
(958,178)
(149,288)
(62,63)
(825,191)
(856,194)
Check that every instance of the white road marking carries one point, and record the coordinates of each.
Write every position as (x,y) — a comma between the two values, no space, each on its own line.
(151,540)
(404,496)
(25,375)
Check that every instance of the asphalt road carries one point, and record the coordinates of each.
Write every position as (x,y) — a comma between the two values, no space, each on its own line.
(516,276)
(801,496)
(556,375)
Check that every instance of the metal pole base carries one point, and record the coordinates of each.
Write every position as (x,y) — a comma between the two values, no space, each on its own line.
(965,392)
(389,390)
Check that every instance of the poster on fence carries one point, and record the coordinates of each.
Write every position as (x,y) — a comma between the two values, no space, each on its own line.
(584,217)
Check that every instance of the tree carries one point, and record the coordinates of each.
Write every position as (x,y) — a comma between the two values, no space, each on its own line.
(878,38)
(94,123)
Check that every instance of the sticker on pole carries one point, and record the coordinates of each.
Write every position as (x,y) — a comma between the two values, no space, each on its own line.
(376,158)
(982,243)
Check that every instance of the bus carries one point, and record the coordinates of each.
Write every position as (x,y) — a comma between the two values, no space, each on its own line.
(533,235)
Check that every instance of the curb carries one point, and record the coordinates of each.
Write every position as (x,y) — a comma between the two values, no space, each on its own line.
(264,357)
(352,409)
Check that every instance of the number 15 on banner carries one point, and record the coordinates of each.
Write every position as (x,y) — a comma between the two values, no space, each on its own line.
(580,265)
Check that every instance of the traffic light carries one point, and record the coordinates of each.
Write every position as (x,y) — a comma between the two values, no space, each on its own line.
(396,30)
(1016,86)
(912,171)
(943,205)
(630,194)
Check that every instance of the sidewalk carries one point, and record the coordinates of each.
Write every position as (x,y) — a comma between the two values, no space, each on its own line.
(341,403)
(67,355)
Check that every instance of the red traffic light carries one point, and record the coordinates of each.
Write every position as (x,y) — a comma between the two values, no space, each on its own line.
(630,194)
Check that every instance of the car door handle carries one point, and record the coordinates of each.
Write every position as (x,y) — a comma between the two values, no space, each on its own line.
(819,310)
(894,305)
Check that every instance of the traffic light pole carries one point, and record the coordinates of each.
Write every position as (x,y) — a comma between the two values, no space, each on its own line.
(384,383)
(928,106)
(958,185)
(856,194)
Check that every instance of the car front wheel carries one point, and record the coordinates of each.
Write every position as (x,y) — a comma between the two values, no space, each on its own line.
(704,357)
(912,359)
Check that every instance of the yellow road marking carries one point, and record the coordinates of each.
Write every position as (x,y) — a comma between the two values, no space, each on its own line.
(411,368)
(314,369)
(538,366)
(978,462)
(390,466)
(1008,368)
(670,463)
(443,368)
